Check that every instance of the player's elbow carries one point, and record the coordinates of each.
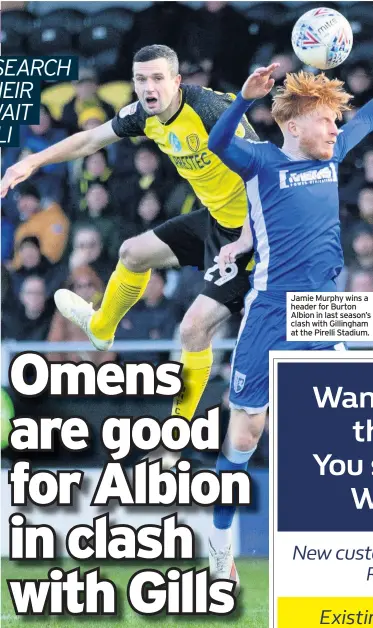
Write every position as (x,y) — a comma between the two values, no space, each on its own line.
(80,145)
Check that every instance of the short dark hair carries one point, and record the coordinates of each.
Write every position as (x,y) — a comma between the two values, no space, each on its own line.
(157,51)
(26,188)
(29,240)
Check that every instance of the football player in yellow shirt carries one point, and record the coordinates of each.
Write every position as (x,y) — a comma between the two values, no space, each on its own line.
(178,118)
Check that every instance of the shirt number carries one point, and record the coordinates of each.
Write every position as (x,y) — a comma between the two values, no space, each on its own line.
(231,271)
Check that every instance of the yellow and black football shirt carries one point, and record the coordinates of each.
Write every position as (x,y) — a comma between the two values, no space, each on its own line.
(184,139)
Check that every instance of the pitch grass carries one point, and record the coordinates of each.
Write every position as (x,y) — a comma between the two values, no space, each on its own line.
(251,611)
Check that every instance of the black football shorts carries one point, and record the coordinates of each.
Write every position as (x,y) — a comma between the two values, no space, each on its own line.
(196,240)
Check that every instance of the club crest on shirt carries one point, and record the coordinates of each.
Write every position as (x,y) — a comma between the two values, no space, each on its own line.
(193,142)
(238,381)
(175,142)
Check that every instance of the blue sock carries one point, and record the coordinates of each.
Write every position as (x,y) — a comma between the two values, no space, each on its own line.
(229,459)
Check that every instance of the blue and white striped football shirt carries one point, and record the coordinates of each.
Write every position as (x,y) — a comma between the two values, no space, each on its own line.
(294,205)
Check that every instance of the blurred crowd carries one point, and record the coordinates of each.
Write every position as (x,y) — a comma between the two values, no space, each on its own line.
(64,226)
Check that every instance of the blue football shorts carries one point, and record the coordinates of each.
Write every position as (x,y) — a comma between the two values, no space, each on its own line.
(263,329)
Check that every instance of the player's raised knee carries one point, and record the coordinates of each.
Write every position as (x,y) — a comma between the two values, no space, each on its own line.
(131,254)
(194,332)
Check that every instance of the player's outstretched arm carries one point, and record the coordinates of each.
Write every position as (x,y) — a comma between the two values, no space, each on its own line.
(234,152)
(231,251)
(78,145)
(354,131)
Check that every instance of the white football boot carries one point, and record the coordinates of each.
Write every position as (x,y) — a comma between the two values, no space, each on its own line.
(169,458)
(222,565)
(78,311)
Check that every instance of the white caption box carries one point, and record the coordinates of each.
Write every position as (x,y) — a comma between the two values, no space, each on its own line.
(329,316)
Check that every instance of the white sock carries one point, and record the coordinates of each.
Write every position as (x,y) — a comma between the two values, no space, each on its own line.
(220,538)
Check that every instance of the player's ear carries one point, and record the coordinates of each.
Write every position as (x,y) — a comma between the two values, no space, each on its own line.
(134,86)
(178,80)
(293,129)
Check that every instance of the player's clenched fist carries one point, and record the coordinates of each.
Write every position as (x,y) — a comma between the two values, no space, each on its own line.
(229,253)
(16,174)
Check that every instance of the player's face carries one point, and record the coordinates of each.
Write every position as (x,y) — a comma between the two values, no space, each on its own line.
(155,86)
(317,133)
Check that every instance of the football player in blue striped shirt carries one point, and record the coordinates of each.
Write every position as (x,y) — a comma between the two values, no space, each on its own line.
(293,223)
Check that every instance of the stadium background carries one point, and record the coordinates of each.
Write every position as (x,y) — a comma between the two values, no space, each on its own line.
(65,225)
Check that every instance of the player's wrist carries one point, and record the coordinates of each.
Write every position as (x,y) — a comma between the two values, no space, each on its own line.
(32,161)
(247,101)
